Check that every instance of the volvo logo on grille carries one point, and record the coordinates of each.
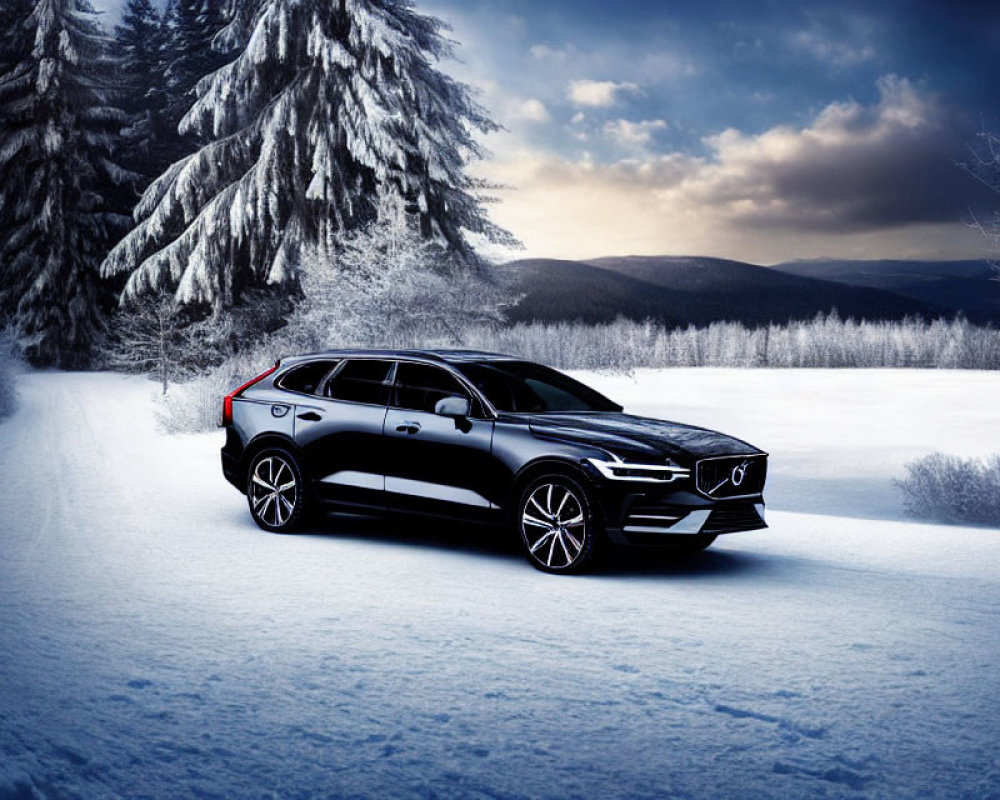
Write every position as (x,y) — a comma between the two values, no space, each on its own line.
(739,473)
(732,472)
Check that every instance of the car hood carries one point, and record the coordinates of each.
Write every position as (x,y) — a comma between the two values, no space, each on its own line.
(627,435)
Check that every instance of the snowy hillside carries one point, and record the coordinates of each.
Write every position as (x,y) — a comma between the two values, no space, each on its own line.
(680,291)
(966,286)
(154,643)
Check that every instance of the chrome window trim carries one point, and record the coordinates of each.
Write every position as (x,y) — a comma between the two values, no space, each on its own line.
(336,371)
(322,382)
(462,383)
(487,407)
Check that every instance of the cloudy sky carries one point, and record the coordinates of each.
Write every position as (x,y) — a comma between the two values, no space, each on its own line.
(762,131)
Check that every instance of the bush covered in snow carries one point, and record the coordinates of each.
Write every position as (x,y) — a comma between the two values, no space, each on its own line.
(952,489)
(195,406)
(10,365)
(387,286)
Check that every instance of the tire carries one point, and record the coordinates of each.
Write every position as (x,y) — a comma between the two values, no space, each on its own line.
(557,525)
(684,545)
(277,492)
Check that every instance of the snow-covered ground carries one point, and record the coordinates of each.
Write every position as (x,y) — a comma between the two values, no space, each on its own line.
(154,643)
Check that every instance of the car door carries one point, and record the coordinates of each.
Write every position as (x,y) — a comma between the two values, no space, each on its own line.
(339,431)
(436,464)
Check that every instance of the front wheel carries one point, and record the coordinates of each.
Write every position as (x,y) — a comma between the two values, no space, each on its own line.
(559,530)
(276,491)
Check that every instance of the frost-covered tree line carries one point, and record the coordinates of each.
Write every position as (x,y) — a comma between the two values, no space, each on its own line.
(204,159)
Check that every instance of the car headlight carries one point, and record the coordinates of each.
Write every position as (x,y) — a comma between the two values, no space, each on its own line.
(619,470)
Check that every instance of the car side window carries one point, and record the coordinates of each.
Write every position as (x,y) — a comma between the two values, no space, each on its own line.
(306,378)
(420,386)
(360,381)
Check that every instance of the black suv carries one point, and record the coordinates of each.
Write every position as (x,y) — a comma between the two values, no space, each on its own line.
(482,437)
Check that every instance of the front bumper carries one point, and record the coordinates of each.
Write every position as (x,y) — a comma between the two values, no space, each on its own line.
(642,515)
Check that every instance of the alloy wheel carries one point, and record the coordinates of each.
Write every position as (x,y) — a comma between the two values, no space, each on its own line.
(554,526)
(273,491)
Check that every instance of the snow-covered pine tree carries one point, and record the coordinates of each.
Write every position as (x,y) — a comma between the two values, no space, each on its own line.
(58,136)
(186,56)
(139,45)
(14,45)
(326,106)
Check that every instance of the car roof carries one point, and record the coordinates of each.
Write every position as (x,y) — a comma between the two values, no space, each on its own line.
(447,356)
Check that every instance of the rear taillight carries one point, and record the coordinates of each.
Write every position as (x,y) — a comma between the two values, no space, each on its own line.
(227,401)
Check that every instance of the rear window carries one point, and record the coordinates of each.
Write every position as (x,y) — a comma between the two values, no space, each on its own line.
(361,381)
(306,378)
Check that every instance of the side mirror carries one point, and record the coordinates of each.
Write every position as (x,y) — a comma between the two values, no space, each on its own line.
(452,406)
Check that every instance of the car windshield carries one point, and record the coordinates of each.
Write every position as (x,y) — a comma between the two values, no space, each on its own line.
(521,386)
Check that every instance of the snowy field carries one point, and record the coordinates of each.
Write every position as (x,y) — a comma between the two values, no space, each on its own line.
(154,643)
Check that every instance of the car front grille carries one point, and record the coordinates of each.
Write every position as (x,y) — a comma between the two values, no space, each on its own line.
(731,476)
(734,517)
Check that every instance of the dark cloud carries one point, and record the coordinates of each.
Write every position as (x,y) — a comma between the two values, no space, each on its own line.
(854,168)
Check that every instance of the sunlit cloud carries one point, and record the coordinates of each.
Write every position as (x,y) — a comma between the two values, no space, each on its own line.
(599,94)
(533,110)
(850,169)
(634,133)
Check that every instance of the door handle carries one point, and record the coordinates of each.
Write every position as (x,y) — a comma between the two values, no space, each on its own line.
(408,427)
(310,416)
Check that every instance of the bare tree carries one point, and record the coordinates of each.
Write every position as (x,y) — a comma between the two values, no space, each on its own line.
(984,165)
(11,355)
(150,337)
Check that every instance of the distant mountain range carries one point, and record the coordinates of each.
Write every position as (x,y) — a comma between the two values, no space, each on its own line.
(680,290)
(966,286)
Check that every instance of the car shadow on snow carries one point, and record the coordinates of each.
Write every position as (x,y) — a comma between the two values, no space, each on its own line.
(651,562)
(495,543)
(420,533)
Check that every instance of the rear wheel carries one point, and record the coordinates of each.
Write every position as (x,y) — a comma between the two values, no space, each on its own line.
(558,529)
(276,491)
